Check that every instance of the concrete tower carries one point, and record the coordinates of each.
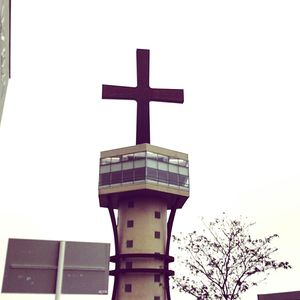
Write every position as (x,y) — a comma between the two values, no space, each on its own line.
(142,186)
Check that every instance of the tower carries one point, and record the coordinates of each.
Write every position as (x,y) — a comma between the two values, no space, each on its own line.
(143,185)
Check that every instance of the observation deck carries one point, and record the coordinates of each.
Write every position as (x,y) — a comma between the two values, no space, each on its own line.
(143,169)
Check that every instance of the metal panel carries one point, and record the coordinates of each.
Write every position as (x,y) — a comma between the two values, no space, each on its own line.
(295,295)
(86,268)
(31,267)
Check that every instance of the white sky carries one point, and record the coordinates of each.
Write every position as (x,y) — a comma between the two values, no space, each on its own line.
(239,64)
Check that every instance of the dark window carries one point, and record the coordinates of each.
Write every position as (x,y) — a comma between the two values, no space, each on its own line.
(156,297)
(127,175)
(128,265)
(130,204)
(183,180)
(130,223)
(163,176)
(105,179)
(139,174)
(152,174)
(116,177)
(156,278)
(129,243)
(128,288)
(173,178)
(157,214)
(157,234)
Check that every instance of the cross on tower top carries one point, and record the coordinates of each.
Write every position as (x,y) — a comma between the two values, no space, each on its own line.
(142,94)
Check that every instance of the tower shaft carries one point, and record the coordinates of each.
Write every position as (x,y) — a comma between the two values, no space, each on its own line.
(142,230)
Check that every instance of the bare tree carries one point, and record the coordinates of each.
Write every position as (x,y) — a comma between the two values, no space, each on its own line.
(224,261)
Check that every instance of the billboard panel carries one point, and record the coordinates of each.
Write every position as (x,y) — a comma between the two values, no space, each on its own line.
(280,296)
(86,268)
(32,265)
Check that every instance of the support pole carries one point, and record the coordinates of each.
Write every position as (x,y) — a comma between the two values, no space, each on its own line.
(60,269)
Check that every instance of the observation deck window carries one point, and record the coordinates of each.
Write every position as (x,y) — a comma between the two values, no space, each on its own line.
(145,166)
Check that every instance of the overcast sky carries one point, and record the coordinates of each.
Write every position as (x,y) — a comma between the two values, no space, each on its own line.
(239,65)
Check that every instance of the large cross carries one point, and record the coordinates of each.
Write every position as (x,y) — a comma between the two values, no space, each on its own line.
(143,94)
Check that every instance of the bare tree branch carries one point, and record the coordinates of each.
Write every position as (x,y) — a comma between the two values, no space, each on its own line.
(225,261)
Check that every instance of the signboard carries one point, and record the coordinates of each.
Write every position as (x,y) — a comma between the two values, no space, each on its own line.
(281,296)
(86,268)
(32,266)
